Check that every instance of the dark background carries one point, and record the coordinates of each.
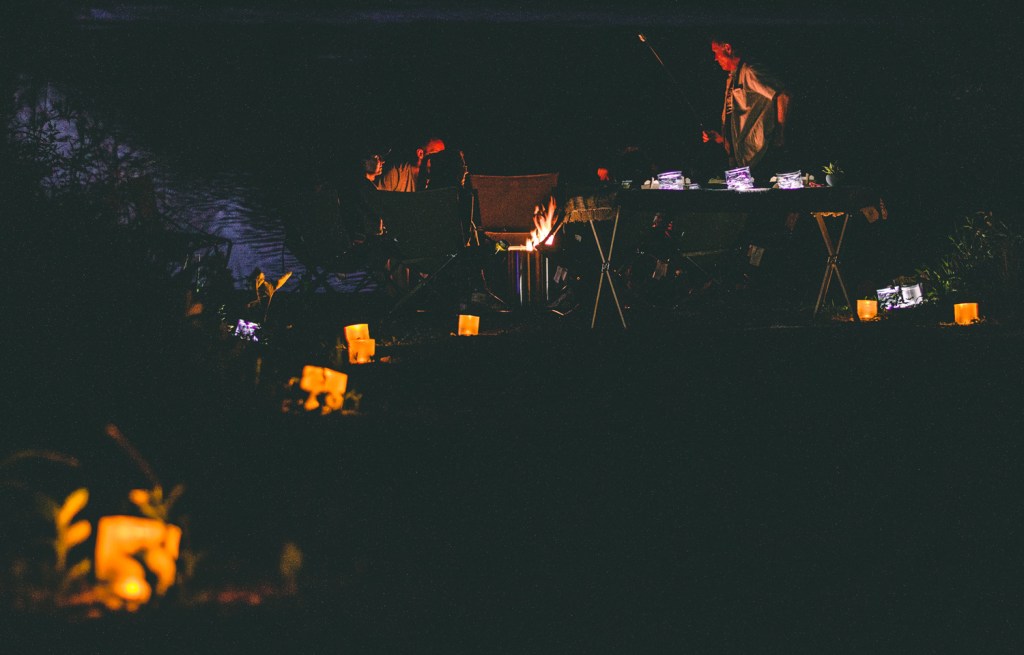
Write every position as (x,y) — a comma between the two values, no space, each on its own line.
(916,103)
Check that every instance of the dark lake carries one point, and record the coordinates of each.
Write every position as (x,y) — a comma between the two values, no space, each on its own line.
(239,112)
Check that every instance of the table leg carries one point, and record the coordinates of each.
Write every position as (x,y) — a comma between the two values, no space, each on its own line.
(832,261)
(606,273)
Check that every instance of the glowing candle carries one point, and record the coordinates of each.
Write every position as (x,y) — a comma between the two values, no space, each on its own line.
(132,589)
(965,313)
(357,331)
(317,380)
(119,539)
(469,326)
(867,310)
(361,351)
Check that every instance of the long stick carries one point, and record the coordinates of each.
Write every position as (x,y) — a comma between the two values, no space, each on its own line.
(679,89)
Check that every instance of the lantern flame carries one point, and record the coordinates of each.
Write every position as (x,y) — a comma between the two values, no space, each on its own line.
(132,589)
(543,222)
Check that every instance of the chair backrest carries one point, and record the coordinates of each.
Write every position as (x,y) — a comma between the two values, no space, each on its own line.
(505,203)
(313,233)
(424,224)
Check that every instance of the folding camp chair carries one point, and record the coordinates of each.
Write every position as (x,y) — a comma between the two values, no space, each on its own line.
(425,228)
(504,204)
(503,209)
(314,236)
(164,238)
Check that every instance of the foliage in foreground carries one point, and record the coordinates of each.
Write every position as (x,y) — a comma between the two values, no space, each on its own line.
(984,261)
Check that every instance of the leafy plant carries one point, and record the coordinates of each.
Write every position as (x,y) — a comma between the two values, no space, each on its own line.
(68,534)
(832,168)
(984,259)
(264,286)
(153,504)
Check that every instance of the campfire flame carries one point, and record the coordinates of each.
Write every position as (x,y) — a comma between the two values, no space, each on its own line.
(543,222)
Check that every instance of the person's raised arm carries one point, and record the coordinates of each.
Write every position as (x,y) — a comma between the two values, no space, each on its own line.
(781,116)
(711,135)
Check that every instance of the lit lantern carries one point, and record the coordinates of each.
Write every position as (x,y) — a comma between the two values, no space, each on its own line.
(965,313)
(469,326)
(318,380)
(867,310)
(357,331)
(132,589)
(361,351)
(119,539)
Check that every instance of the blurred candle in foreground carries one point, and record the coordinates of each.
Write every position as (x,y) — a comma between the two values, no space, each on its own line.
(361,351)
(965,313)
(469,326)
(133,589)
(867,310)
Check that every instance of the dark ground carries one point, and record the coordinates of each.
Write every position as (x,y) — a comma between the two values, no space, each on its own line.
(730,479)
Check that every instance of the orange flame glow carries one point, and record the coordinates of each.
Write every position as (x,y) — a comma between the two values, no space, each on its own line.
(543,222)
(132,589)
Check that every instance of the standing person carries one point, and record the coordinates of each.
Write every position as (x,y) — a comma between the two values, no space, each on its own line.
(408,175)
(754,113)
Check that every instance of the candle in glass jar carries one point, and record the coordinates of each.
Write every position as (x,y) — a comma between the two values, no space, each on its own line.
(469,326)
(965,313)
(357,331)
(361,351)
(867,310)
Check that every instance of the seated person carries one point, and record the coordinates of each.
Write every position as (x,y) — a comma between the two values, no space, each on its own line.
(361,216)
(360,209)
(444,169)
(406,175)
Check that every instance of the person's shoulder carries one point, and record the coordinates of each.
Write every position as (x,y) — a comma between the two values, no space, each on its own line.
(755,67)
(763,73)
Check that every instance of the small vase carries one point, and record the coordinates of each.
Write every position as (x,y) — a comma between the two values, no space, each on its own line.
(833,179)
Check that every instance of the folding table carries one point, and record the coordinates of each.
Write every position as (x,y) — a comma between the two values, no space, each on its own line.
(590,209)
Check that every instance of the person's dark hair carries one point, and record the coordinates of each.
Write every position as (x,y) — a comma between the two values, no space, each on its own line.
(369,163)
(445,169)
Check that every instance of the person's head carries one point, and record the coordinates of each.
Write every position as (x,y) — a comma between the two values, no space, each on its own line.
(373,166)
(444,168)
(430,146)
(727,54)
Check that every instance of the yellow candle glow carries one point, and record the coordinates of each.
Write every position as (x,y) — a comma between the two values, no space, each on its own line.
(469,326)
(317,380)
(361,351)
(965,313)
(867,310)
(357,331)
(119,539)
(132,589)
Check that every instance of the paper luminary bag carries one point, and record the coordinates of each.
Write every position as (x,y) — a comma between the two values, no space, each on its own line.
(317,380)
(120,539)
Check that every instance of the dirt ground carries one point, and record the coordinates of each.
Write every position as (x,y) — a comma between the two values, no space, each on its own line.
(700,481)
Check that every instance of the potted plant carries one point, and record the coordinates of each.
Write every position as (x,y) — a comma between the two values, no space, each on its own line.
(833,174)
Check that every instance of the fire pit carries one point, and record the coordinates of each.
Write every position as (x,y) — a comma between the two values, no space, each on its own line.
(528,264)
